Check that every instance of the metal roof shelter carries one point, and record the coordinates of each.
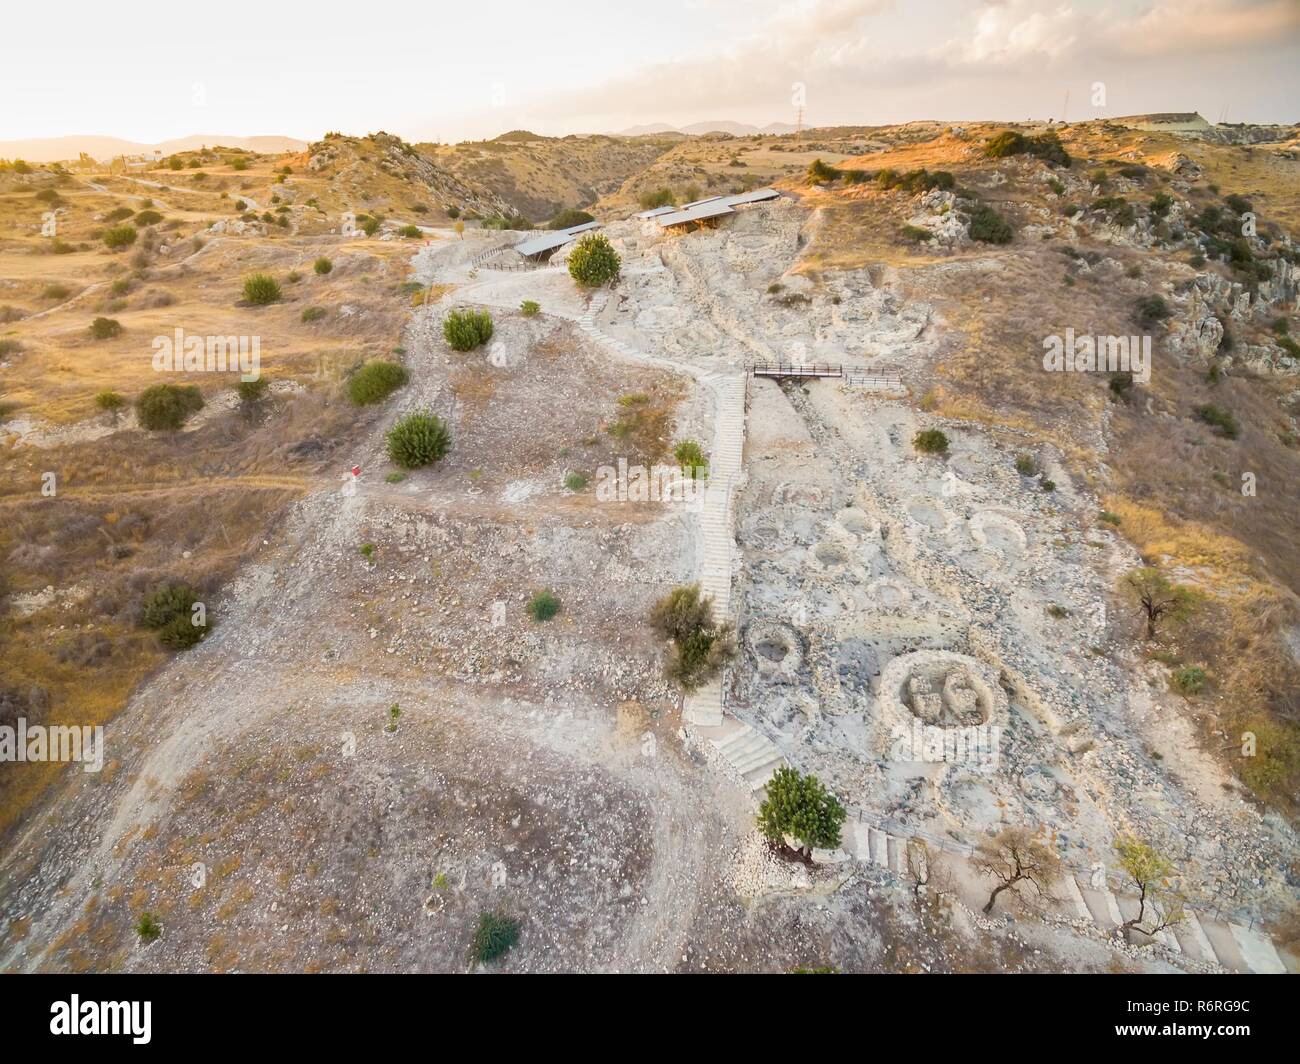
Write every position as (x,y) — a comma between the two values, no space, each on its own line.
(759,195)
(698,202)
(654,212)
(539,245)
(694,214)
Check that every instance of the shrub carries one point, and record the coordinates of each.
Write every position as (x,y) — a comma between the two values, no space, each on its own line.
(575,482)
(261,289)
(376,381)
(690,457)
(1220,419)
(109,402)
(253,391)
(119,236)
(594,261)
(700,647)
(465,330)
(543,606)
(311,314)
(409,231)
(148,218)
(1045,146)
(370,226)
(168,609)
(529,308)
(916,233)
(105,328)
(166,407)
(417,440)
(1108,517)
(1026,466)
(147,927)
(1119,384)
(1188,680)
(56,291)
(989,226)
(568,218)
(1150,310)
(495,936)
(118,214)
(819,173)
(322,265)
(931,441)
(453,211)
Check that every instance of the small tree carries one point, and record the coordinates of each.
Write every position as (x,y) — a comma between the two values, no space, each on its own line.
(1158,599)
(459,228)
(1014,857)
(594,261)
(988,226)
(418,440)
(799,807)
(251,393)
(465,330)
(700,647)
(111,403)
(322,266)
(1160,905)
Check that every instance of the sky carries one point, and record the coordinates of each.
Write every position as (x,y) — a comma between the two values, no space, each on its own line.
(148,71)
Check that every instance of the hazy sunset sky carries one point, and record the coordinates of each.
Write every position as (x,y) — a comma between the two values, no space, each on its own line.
(148,71)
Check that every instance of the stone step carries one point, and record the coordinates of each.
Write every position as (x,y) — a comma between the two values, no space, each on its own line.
(1192,938)
(1074,899)
(1257,950)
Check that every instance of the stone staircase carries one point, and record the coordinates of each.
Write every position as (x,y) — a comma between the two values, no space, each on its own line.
(752,756)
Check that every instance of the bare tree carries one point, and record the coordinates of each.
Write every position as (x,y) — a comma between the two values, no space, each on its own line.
(1014,857)
(1157,598)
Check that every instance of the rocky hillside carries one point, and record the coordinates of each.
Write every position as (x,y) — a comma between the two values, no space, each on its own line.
(539,176)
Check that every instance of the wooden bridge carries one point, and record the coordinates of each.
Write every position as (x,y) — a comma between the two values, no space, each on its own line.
(857,376)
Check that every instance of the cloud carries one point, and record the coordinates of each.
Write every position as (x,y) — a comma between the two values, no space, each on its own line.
(868,60)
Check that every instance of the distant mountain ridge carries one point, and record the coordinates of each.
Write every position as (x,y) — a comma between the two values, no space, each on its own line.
(55,149)
(738,129)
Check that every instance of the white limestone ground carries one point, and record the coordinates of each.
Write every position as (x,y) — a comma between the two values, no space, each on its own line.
(858,553)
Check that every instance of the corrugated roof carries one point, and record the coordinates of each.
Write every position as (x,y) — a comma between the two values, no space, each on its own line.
(695,214)
(655,212)
(757,196)
(696,203)
(550,241)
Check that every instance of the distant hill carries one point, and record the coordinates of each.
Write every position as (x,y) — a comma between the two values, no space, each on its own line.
(738,129)
(54,149)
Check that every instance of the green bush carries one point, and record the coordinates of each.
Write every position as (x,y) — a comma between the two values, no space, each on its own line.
(700,647)
(409,231)
(575,482)
(915,233)
(1045,146)
(322,265)
(988,226)
(119,236)
(148,927)
(109,401)
(820,173)
(417,440)
(690,457)
(1150,310)
(105,328)
(261,289)
(1119,383)
(310,314)
(148,218)
(1220,419)
(495,936)
(465,330)
(568,218)
(370,226)
(594,261)
(56,291)
(118,214)
(1026,466)
(543,606)
(802,808)
(169,611)
(376,381)
(931,441)
(1188,680)
(253,391)
(166,407)
(529,308)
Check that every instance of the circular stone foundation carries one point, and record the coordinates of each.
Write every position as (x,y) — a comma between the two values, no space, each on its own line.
(890,594)
(927,514)
(932,691)
(776,648)
(998,532)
